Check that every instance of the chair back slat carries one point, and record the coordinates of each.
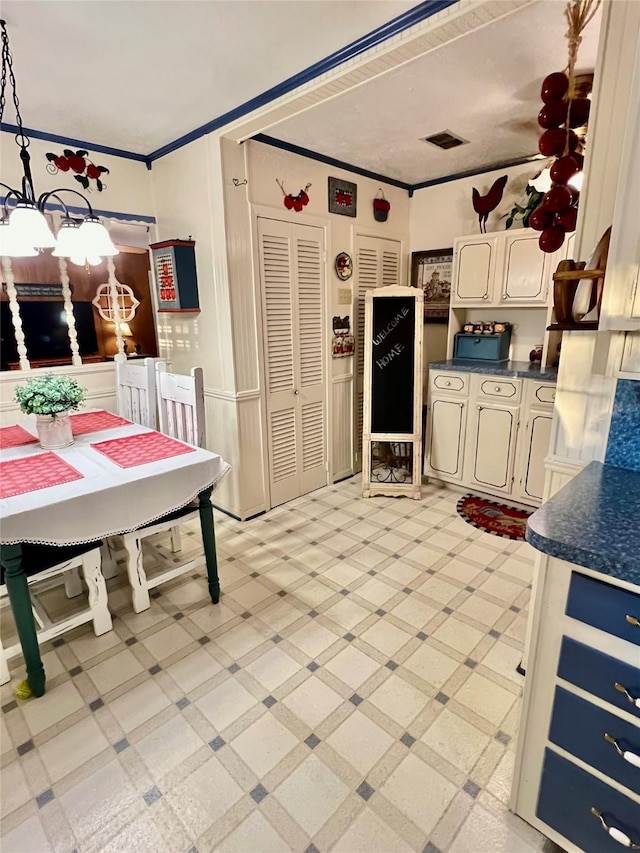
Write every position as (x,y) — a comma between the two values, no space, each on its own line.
(181,404)
(136,390)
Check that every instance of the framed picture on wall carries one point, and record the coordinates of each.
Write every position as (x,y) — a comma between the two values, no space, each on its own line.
(432,271)
(343,197)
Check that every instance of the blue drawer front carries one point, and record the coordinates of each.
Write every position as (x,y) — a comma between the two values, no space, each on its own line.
(597,673)
(604,606)
(488,347)
(567,795)
(579,727)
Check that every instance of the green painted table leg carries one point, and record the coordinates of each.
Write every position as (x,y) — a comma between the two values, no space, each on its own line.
(16,580)
(209,542)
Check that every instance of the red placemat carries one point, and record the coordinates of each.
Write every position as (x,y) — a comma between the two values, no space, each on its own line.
(132,450)
(95,421)
(15,436)
(31,473)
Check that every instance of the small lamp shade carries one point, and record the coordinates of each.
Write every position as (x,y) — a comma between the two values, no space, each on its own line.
(12,245)
(69,243)
(125,330)
(95,239)
(31,227)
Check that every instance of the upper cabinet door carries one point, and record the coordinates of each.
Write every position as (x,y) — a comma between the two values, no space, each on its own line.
(526,270)
(475,262)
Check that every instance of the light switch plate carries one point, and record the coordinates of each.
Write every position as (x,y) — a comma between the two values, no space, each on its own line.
(344,296)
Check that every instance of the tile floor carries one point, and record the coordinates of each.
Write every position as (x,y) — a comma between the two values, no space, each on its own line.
(355,690)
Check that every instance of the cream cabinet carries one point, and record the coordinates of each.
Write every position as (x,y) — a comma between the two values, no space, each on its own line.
(489,432)
(475,263)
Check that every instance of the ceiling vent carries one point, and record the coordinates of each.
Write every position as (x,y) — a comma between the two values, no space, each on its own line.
(445,140)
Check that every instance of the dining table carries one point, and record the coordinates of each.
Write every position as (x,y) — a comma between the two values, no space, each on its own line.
(116,477)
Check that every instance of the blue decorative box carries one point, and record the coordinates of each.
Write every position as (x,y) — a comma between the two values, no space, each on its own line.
(483,347)
(175,274)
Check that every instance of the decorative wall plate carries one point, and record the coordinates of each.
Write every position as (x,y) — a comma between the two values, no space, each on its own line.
(344,266)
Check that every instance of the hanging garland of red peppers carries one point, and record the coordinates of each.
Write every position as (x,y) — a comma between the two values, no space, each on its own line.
(564,117)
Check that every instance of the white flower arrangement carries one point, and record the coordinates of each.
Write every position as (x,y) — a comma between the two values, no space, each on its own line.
(49,395)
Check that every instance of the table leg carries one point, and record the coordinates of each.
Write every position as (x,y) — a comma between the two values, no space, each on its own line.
(209,542)
(16,580)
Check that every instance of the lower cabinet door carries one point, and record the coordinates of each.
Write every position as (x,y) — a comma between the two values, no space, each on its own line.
(535,448)
(492,447)
(446,428)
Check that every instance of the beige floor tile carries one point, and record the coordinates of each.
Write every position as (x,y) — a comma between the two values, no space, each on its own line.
(167,641)
(284,575)
(139,705)
(273,668)
(15,790)
(311,794)
(88,646)
(102,803)
(168,746)
(484,832)
(264,744)
(401,572)
(211,617)
(462,571)
(369,834)
(500,588)
(72,748)
(226,703)
(313,558)
(347,613)
(28,837)
(186,592)
(369,557)
(194,670)
(254,835)
(54,706)
(431,665)
(442,540)
(360,742)
(115,671)
(478,553)
(518,568)
(485,698)
(500,783)
(419,792)
(142,835)
(415,612)
(238,641)
(204,796)
(313,638)
(314,592)
(458,635)
(279,615)
(352,666)
(423,555)
(312,701)
(386,637)
(52,665)
(438,589)
(376,591)
(339,542)
(412,529)
(481,610)
(250,594)
(399,700)
(503,659)
(6,742)
(393,542)
(343,573)
(456,740)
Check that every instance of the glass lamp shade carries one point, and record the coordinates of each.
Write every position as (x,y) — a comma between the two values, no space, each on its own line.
(31,227)
(11,244)
(69,242)
(96,239)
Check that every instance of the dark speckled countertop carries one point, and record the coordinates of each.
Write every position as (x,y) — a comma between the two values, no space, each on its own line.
(520,369)
(593,521)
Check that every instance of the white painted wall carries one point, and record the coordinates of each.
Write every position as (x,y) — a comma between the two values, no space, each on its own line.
(128,184)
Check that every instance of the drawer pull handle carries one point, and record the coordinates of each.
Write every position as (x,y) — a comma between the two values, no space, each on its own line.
(633,620)
(616,834)
(497,389)
(622,689)
(447,384)
(631,757)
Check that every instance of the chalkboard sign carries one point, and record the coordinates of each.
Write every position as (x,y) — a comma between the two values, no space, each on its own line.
(392,364)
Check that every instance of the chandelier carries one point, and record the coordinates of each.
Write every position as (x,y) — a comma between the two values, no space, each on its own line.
(25,231)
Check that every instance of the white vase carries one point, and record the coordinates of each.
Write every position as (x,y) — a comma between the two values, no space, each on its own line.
(54,431)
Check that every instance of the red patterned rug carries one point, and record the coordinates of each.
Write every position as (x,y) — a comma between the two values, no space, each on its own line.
(499,519)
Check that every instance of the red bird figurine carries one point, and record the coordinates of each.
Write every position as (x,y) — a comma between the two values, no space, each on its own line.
(484,204)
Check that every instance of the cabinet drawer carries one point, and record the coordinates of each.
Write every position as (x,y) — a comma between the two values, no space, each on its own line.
(614,610)
(580,727)
(543,394)
(496,388)
(450,383)
(567,795)
(598,674)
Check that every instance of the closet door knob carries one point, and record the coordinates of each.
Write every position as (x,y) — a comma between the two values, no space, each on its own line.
(296,393)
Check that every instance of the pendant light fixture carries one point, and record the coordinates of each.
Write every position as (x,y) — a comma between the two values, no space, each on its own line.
(24,229)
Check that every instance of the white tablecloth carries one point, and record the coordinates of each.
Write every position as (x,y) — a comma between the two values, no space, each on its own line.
(108,499)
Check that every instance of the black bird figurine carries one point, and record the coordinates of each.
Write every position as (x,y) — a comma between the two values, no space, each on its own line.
(484,204)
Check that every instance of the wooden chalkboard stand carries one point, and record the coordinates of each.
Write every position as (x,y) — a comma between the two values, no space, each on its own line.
(392,424)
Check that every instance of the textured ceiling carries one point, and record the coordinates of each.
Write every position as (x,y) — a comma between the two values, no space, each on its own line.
(484,87)
(136,75)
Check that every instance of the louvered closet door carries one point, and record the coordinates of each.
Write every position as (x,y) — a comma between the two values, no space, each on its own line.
(292,272)
(377,265)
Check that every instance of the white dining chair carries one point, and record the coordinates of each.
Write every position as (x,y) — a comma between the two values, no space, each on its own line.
(136,390)
(43,566)
(181,415)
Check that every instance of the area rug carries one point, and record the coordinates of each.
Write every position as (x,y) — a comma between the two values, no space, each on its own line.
(499,519)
